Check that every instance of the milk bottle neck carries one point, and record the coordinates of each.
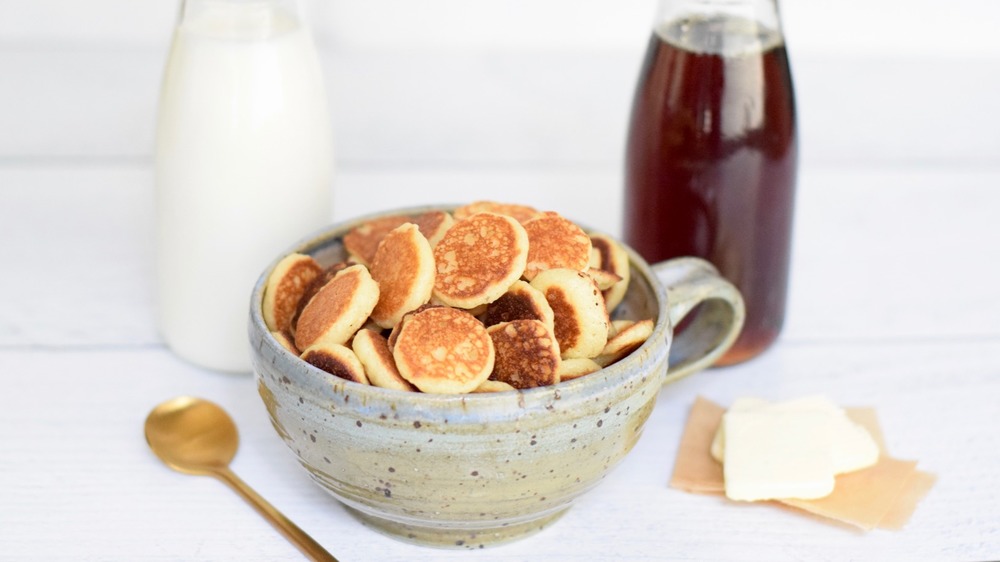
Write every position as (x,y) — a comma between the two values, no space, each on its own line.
(240,19)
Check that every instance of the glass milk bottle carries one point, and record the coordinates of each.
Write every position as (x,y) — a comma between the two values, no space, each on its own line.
(711,156)
(243,167)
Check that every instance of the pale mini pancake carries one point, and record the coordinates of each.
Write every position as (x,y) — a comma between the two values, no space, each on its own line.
(603,279)
(328,274)
(520,212)
(581,321)
(627,340)
(444,350)
(286,284)
(476,311)
(373,350)
(527,355)
(493,386)
(570,369)
(617,326)
(336,360)
(338,309)
(404,270)
(478,259)
(287,341)
(610,256)
(520,302)
(555,242)
(362,242)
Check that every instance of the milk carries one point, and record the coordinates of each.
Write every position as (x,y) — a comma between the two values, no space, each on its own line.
(243,169)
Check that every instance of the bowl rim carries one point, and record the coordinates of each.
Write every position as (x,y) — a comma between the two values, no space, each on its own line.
(598,387)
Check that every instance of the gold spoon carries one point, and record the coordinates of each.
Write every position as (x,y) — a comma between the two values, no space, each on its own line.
(196,436)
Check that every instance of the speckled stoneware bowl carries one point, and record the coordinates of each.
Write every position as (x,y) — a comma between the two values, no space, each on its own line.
(473,470)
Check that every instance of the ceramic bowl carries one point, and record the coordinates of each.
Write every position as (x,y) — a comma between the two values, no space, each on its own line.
(473,470)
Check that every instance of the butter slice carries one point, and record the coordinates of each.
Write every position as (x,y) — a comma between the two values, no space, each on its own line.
(777,454)
(786,439)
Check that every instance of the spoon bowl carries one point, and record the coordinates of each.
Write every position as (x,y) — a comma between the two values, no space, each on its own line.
(192,436)
(195,436)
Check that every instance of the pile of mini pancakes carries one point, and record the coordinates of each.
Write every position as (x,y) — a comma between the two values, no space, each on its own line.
(492,297)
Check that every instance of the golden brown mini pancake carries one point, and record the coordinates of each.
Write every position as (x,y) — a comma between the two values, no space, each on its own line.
(373,350)
(555,242)
(434,225)
(571,369)
(527,354)
(444,351)
(314,287)
(287,341)
(404,270)
(338,309)
(336,360)
(286,284)
(627,340)
(493,386)
(520,212)
(610,256)
(362,242)
(581,320)
(478,259)
(520,302)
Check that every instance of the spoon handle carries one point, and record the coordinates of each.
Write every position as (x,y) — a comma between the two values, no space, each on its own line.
(291,531)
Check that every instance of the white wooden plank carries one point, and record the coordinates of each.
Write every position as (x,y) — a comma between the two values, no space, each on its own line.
(77,481)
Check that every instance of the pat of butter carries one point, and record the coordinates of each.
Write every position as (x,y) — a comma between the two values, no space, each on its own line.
(774,455)
(789,449)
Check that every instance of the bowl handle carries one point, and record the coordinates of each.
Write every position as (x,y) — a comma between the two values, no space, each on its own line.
(690,282)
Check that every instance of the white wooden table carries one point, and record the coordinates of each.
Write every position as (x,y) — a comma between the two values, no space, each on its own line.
(894,304)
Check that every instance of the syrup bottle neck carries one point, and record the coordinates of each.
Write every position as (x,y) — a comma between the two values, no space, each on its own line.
(762,12)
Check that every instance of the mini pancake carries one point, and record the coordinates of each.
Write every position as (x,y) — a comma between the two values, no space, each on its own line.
(527,355)
(581,320)
(404,270)
(444,350)
(617,326)
(603,279)
(362,242)
(521,213)
(493,386)
(610,256)
(571,369)
(373,350)
(478,259)
(314,287)
(627,340)
(476,311)
(337,360)
(520,302)
(286,284)
(434,225)
(338,309)
(287,341)
(555,242)
(394,333)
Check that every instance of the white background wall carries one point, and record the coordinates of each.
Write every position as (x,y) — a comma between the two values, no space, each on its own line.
(861,27)
(514,82)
